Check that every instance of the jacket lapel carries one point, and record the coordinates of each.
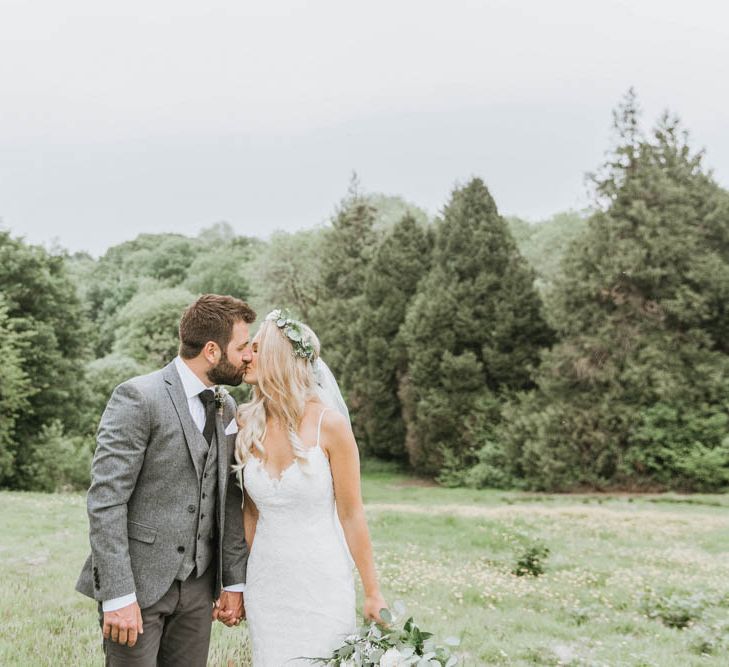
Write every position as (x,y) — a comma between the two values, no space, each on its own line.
(179,400)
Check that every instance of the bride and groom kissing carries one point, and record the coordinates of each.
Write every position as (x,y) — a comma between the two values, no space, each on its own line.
(201,511)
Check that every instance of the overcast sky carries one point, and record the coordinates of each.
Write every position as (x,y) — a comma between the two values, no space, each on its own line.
(118,118)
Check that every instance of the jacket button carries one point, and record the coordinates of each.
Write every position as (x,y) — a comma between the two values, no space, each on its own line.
(202,516)
(181,550)
(191,509)
(203,495)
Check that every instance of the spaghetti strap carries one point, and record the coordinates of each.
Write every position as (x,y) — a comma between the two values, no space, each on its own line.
(318,428)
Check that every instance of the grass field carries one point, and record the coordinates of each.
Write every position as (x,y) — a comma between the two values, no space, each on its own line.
(623,575)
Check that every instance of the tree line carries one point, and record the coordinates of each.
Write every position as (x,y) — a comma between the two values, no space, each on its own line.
(587,352)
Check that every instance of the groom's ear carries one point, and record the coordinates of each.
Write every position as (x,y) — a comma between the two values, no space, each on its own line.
(211,351)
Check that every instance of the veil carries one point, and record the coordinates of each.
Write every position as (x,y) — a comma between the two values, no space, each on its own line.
(328,389)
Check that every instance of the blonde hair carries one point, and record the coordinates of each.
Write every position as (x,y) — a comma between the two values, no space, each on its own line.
(285,383)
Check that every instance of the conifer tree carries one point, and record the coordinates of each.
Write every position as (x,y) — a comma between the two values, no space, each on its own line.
(471,333)
(635,392)
(346,250)
(400,261)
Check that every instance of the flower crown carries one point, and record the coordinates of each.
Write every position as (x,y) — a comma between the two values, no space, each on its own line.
(293,330)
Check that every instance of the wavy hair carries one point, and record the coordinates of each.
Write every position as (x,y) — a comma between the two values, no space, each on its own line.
(285,383)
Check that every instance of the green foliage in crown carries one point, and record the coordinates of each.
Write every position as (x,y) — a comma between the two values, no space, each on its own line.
(294,331)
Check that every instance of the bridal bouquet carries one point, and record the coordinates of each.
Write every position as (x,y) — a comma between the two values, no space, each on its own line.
(391,646)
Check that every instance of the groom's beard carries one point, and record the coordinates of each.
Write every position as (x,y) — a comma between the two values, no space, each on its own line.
(226,373)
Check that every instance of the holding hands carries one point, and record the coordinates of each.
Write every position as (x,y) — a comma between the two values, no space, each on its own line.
(229,609)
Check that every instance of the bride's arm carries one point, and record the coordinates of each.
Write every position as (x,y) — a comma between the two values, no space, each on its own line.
(250,518)
(341,447)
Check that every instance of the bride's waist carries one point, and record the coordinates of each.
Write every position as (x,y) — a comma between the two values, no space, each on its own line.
(300,524)
(286,527)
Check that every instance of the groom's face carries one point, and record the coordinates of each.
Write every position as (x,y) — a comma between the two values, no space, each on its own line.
(231,366)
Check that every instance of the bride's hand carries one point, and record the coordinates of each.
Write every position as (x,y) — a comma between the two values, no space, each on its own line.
(372,606)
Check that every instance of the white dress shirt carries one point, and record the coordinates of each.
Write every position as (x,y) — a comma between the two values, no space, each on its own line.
(192,385)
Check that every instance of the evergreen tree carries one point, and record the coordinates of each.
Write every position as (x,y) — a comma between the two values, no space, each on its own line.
(472,332)
(346,250)
(391,280)
(635,392)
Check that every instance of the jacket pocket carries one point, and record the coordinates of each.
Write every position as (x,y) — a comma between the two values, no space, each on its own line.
(140,532)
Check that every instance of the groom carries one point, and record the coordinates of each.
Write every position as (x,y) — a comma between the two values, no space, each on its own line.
(166,527)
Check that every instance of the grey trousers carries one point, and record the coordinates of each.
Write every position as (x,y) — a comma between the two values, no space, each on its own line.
(176,628)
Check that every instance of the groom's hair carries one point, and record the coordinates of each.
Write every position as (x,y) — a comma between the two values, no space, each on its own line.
(211,317)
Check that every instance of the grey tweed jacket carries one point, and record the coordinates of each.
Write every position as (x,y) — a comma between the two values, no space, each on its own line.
(143,479)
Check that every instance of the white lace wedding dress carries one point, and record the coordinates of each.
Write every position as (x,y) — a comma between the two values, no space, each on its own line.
(299,598)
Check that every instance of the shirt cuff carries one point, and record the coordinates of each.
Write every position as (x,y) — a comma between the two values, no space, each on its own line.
(118,603)
(235,588)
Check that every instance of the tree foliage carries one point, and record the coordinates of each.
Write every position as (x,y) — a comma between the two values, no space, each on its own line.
(148,326)
(46,343)
(15,389)
(634,393)
(472,332)
(345,252)
(287,272)
(399,263)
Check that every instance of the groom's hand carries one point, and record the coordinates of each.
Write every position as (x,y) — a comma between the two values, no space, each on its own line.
(123,625)
(229,608)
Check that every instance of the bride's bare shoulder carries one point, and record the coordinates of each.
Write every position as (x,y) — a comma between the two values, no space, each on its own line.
(335,426)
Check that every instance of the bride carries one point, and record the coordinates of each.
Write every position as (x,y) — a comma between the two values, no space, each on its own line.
(303,512)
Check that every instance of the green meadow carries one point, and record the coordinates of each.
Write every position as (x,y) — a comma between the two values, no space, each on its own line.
(628,580)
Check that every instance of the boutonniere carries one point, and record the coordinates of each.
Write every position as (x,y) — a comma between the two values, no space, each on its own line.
(220,396)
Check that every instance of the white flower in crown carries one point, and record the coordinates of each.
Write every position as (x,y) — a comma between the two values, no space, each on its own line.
(220,395)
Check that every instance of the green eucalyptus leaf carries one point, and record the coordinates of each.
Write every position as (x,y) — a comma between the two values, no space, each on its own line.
(385,615)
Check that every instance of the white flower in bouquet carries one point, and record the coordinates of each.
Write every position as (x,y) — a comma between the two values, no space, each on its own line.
(391,645)
(392,658)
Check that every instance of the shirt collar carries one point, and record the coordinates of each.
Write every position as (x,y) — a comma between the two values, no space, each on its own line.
(191,383)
